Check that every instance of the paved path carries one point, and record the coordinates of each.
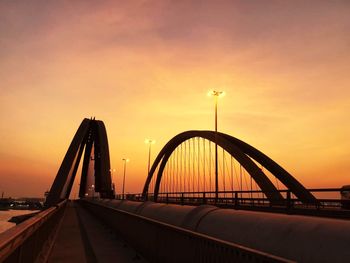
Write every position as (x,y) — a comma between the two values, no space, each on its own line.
(82,238)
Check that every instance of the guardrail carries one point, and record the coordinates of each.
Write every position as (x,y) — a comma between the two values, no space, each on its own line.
(328,202)
(161,242)
(31,240)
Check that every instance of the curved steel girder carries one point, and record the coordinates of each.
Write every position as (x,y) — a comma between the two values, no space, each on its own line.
(60,184)
(260,178)
(74,172)
(89,132)
(286,178)
(86,162)
(103,181)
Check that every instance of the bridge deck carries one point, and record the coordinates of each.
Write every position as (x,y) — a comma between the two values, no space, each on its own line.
(82,238)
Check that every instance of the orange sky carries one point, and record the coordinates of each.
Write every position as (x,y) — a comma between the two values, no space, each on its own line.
(144,68)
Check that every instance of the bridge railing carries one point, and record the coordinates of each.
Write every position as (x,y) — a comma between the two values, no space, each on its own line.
(31,239)
(161,242)
(328,199)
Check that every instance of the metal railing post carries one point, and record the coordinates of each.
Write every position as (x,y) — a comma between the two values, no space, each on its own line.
(289,203)
(236,199)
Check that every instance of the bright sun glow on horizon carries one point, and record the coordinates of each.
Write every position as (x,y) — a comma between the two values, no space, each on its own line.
(144,68)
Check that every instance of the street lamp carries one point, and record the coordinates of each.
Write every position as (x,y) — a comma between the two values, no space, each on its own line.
(149,142)
(216,94)
(125,161)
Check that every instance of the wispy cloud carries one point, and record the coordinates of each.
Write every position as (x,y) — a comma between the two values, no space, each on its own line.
(144,67)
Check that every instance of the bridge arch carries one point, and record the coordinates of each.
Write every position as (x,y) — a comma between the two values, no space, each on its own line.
(90,139)
(244,154)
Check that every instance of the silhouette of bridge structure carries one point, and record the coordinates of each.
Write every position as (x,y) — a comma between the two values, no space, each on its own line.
(182,214)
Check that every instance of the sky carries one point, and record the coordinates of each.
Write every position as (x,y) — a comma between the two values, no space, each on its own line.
(145,67)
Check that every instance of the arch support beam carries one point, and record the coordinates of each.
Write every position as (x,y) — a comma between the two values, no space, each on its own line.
(90,133)
(243,153)
(281,174)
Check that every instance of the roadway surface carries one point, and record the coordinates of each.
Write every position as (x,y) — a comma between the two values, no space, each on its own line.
(82,238)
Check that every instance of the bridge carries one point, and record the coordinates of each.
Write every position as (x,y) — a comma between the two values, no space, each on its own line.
(208,197)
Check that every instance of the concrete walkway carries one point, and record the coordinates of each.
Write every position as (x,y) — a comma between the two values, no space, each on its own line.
(82,238)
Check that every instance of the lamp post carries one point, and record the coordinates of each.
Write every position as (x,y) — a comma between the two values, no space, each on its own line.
(216,94)
(125,161)
(149,142)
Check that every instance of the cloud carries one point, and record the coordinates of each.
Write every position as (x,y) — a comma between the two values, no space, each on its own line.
(144,67)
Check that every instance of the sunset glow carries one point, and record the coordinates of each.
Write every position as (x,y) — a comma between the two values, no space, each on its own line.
(144,68)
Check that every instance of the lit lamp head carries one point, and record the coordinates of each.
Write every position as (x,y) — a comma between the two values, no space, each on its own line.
(126,160)
(216,93)
(150,141)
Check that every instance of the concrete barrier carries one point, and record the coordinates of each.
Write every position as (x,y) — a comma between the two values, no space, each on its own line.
(299,238)
(161,242)
(30,241)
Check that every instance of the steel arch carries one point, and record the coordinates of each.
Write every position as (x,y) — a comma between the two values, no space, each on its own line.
(90,132)
(243,153)
(286,178)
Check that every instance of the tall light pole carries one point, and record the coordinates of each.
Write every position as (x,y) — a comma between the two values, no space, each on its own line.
(216,94)
(149,142)
(125,161)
